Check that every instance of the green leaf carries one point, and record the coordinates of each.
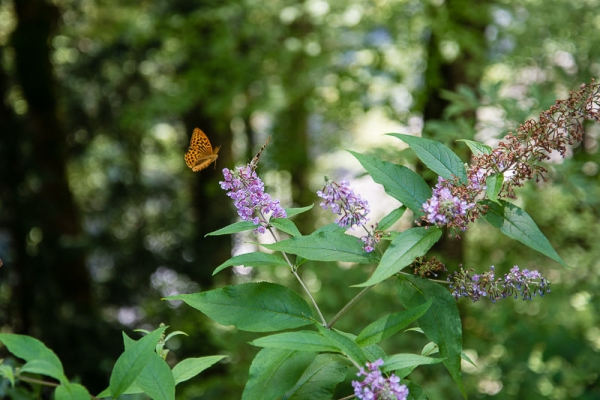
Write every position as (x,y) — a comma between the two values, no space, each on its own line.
(42,367)
(236,227)
(405,247)
(7,372)
(390,219)
(290,212)
(344,344)
(319,379)
(132,362)
(132,389)
(438,157)
(190,367)
(254,307)
(517,224)
(325,246)
(39,358)
(477,148)
(285,225)
(275,371)
(156,379)
(416,392)
(299,340)
(441,323)
(398,181)
(173,334)
(493,185)
(330,228)
(390,324)
(374,352)
(404,364)
(71,391)
(254,259)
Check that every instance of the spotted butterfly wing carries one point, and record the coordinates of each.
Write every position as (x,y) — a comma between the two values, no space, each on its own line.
(200,154)
(254,162)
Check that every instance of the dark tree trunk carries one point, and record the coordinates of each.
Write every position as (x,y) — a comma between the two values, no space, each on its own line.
(53,297)
(213,209)
(465,23)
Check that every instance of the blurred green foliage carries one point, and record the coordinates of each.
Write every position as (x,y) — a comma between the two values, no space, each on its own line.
(130,80)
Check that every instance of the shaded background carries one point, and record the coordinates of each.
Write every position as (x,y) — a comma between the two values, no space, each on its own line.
(100,217)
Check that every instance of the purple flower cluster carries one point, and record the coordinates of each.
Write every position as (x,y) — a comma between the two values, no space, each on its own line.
(445,208)
(249,197)
(377,387)
(343,201)
(526,283)
(371,239)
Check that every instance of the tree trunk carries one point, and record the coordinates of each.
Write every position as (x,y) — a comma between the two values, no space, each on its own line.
(463,23)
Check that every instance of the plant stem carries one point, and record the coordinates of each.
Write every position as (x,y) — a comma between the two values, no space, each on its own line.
(293,269)
(356,298)
(432,280)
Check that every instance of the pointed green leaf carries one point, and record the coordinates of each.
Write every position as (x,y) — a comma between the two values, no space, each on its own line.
(254,307)
(236,227)
(438,157)
(290,212)
(405,247)
(404,364)
(344,344)
(33,351)
(319,379)
(299,340)
(517,224)
(493,185)
(190,367)
(7,372)
(156,379)
(325,246)
(398,181)
(285,225)
(275,371)
(132,361)
(441,323)
(477,148)
(390,324)
(71,391)
(43,367)
(254,259)
(390,219)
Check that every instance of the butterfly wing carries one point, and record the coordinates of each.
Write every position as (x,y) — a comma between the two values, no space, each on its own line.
(204,161)
(254,162)
(200,154)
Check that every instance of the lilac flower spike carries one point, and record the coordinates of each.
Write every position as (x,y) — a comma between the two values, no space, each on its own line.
(341,200)
(377,387)
(444,208)
(526,283)
(249,197)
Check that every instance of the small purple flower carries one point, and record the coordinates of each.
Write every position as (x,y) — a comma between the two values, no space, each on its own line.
(341,200)
(444,208)
(249,197)
(372,237)
(377,387)
(477,179)
(526,283)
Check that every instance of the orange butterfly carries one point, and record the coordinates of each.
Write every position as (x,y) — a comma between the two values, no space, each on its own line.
(200,154)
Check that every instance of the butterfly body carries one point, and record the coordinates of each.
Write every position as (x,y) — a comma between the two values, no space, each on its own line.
(200,154)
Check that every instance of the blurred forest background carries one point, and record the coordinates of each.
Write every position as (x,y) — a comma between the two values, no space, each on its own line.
(100,217)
